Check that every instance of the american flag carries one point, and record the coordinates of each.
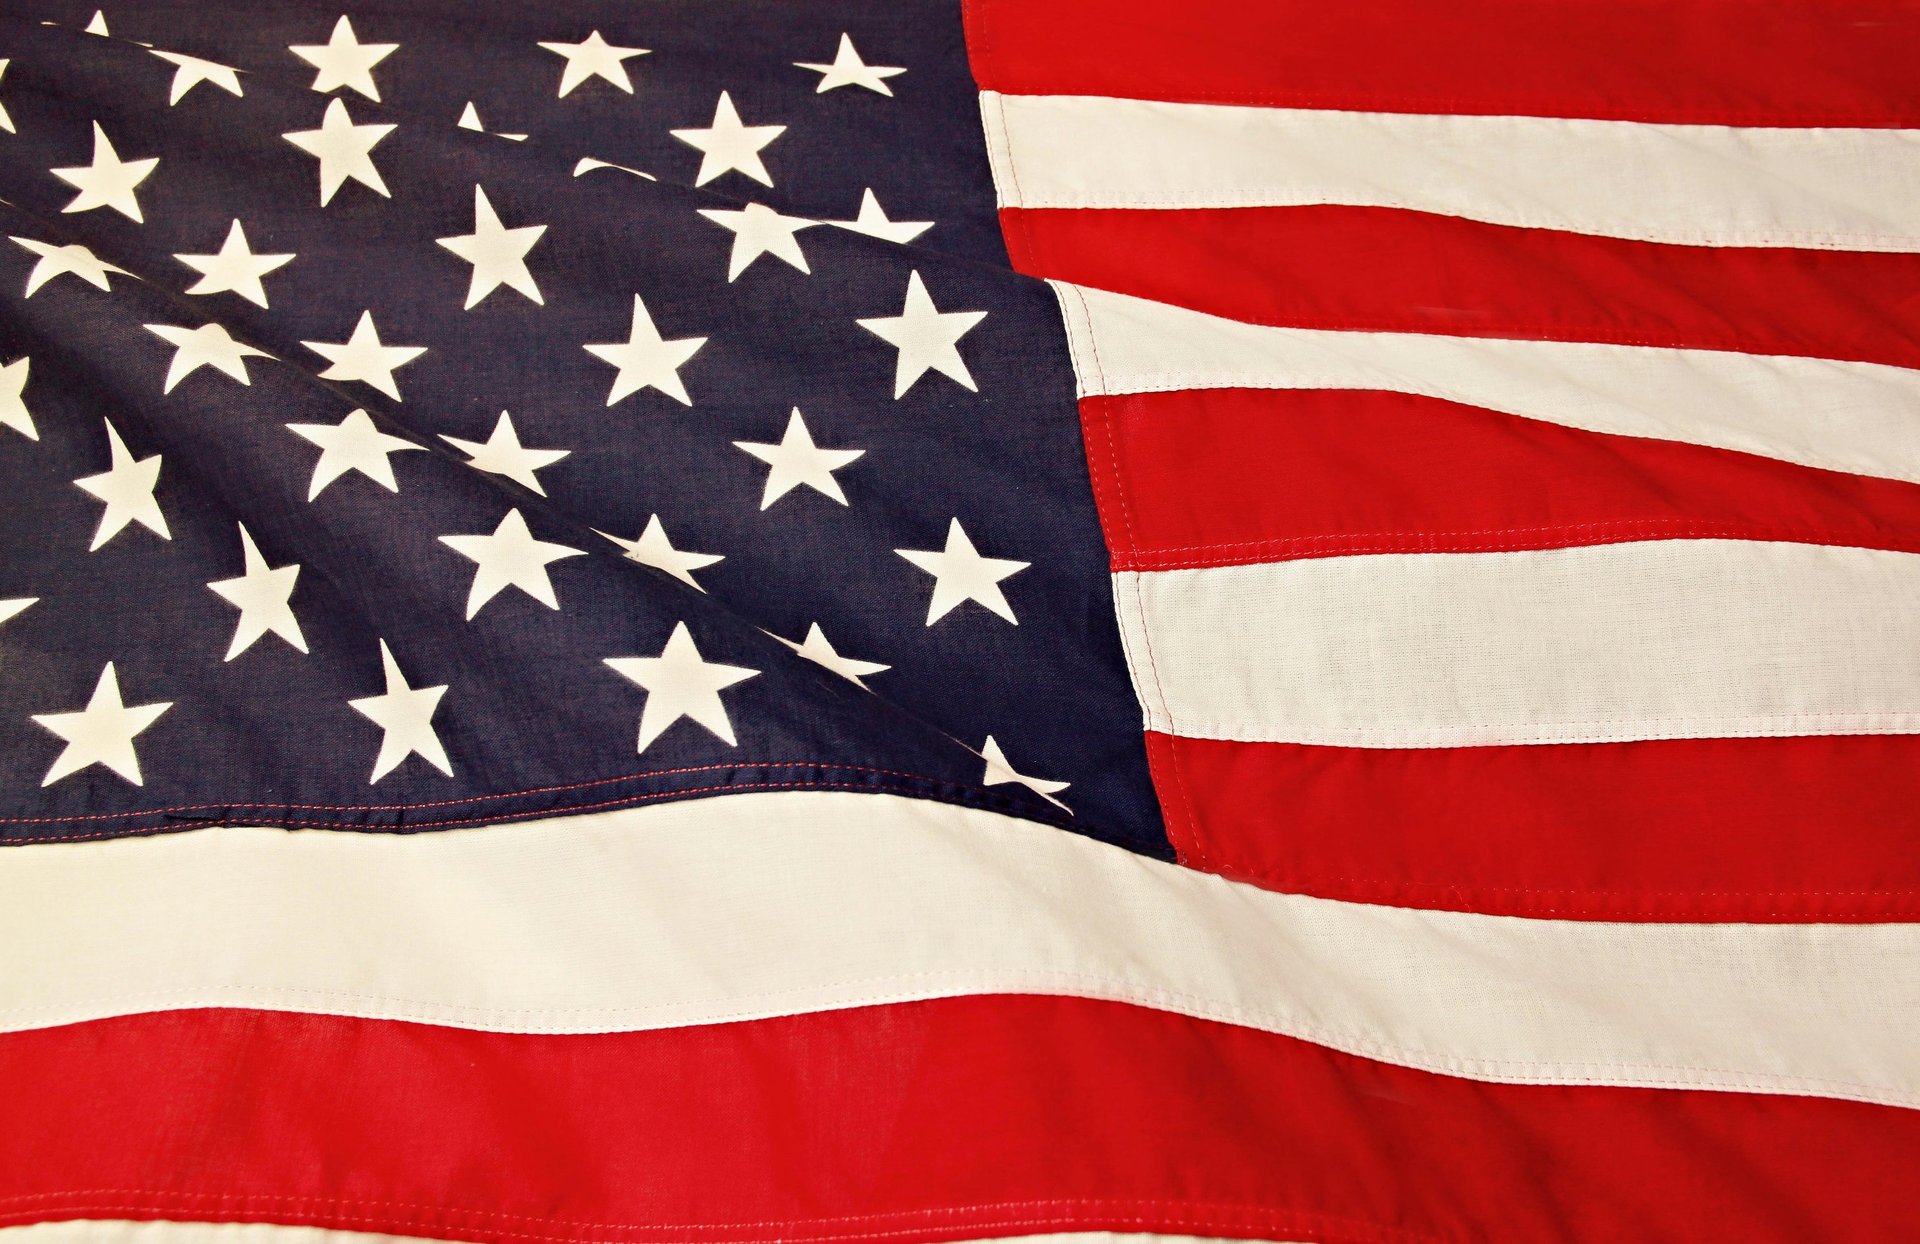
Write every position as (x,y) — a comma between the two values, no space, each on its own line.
(914,620)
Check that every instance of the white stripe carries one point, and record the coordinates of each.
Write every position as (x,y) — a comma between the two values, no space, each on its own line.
(1858,417)
(1705,185)
(164,1231)
(1603,643)
(777,903)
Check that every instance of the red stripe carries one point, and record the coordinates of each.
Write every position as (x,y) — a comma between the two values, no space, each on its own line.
(1756,830)
(1386,270)
(915,1121)
(1750,62)
(1230,476)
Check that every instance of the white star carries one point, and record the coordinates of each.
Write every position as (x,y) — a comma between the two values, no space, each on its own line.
(873,222)
(848,69)
(262,595)
(587,164)
(594,57)
(354,444)
(205,346)
(728,146)
(10,609)
(127,488)
(405,714)
(6,122)
(646,361)
(680,684)
(961,574)
(503,454)
(361,357)
(344,61)
(345,150)
(108,181)
(796,460)
(817,649)
(927,339)
(102,733)
(759,230)
(498,254)
(470,120)
(999,773)
(654,549)
(13,399)
(59,260)
(191,71)
(96,25)
(235,269)
(510,557)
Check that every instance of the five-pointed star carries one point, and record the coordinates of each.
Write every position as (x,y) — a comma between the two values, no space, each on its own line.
(848,69)
(345,150)
(498,254)
(999,772)
(961,574)
(928,339)
(235,269)
(759,230)
(654,549)
(873,222)
(510,557)
(102,733)
(796,460)
(17,606)
(817,649)
(680,684)
(503,454)
(405,714)
(728,146)
(96,25)
(191,71)
(13,399)
(108,181)
(361,357)
(59,260)
(344,61)
(470,120)
(354,444)
(205,346)
(127,488)
(646,361)
(262,595)
(6,122)
(594,57)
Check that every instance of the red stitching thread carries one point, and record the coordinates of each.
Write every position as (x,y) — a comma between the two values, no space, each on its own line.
(1095,1212)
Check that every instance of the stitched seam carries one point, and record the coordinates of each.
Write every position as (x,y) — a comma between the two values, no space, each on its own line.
(1164,382)
(1556,536)
(512,794)
(1478,106)
(1174,1213)
(1617,1072)
(1749,726)
(626,801)
(1451,532)
(1183,798)
(1507,329)
(1266,196)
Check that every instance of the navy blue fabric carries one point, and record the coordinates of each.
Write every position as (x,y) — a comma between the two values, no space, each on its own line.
(534,722)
